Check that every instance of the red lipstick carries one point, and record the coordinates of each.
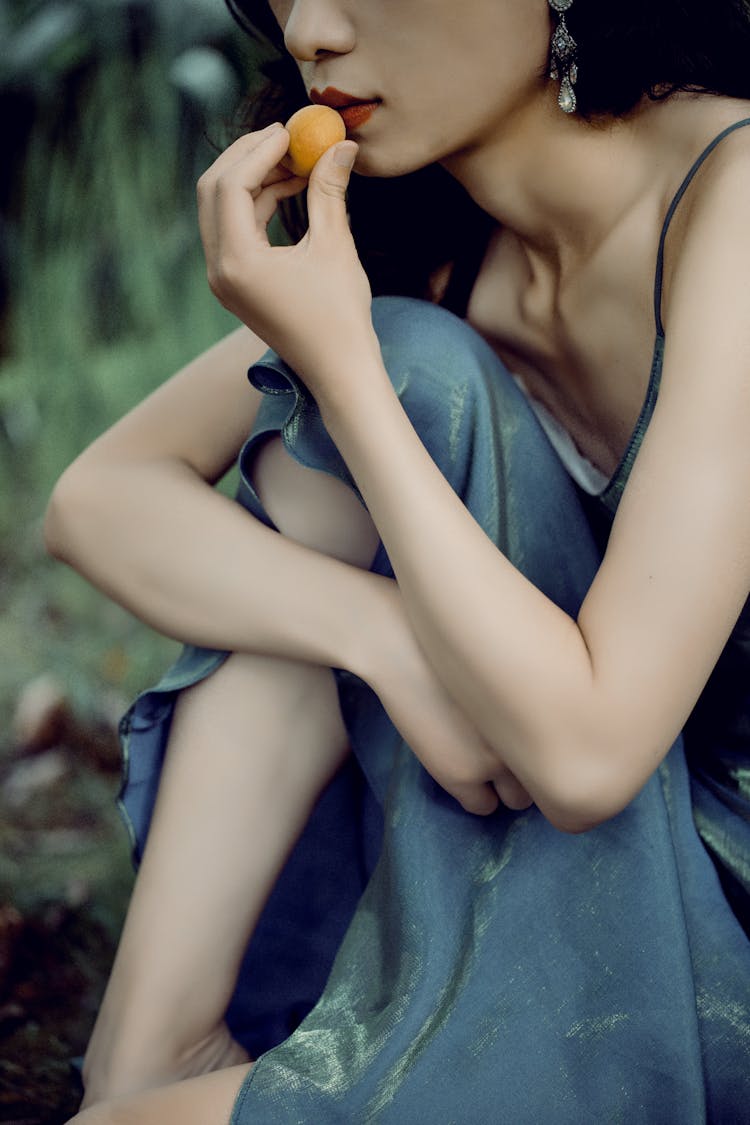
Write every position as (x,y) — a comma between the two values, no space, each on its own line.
(354,111)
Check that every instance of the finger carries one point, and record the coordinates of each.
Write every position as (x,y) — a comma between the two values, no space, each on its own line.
(249,162)
(237,192)
(326,195)
(280,174)
(267,202)
(511,792)
(240,149)
(479,799)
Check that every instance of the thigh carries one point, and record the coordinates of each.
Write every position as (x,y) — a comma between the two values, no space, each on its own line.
(312,507)
(207,1100)
(254,698)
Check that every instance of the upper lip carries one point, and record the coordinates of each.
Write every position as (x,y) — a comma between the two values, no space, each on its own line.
(337,99)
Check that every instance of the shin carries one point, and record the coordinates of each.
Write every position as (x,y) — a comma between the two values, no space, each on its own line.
(250,749)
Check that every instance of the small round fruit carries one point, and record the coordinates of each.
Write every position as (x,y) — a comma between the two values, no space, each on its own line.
(312,130)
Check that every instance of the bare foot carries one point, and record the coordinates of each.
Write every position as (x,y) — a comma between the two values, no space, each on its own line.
(136,1074)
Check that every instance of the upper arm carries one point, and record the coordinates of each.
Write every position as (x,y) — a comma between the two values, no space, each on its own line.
(677,569)
(200,416)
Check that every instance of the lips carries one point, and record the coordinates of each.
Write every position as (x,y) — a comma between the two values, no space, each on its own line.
(355,111)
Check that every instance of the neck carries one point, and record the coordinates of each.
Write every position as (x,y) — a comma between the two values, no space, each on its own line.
(559,183)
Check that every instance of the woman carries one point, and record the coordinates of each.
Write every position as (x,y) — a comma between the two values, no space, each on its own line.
(550,721)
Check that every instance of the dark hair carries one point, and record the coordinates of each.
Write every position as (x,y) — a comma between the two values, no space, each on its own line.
(626,51)
(654,48)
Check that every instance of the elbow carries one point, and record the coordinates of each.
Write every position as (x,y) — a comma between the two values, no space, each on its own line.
(574,820)
(68,511)
(585,795)
(53,526)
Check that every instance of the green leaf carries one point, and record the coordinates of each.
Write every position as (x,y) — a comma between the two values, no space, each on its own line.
(206,77)
(29,49)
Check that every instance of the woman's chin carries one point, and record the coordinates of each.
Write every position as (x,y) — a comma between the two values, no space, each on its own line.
(379,165)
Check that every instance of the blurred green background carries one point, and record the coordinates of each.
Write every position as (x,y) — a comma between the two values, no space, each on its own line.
(109,111)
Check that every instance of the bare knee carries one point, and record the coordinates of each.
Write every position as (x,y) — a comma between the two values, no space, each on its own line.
(313,507)
(253,691)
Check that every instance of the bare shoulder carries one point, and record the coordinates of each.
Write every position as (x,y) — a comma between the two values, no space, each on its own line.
(702,416)
(716,203)
(707,290)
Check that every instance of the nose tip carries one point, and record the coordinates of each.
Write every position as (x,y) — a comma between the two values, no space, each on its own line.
(310,35)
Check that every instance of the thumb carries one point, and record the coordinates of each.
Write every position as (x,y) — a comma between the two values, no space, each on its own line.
(326,193)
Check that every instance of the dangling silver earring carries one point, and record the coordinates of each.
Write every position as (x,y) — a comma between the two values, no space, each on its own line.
(564,58)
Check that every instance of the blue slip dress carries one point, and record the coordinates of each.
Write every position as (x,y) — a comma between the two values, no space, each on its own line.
(416,963)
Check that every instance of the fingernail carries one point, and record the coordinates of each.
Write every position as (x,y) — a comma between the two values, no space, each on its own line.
(345,154)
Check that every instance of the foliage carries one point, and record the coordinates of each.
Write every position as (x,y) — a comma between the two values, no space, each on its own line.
(106,107)
(46,42)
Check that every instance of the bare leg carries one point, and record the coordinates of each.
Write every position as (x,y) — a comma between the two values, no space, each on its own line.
(250,750)
(207,1100)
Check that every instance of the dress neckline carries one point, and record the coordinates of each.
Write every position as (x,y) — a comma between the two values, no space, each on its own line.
(467,266)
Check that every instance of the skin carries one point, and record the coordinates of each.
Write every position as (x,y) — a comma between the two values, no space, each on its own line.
(368,50)
(564,297)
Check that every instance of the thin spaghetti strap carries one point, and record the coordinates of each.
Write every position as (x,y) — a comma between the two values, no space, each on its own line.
(659,279)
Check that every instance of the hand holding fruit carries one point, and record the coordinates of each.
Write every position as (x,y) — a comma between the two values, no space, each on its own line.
(310,302)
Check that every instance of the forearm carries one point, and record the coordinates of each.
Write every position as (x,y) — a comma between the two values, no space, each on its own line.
(509,657)
(198,567)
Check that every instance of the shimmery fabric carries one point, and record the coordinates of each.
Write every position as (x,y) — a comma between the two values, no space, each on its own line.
(489,969)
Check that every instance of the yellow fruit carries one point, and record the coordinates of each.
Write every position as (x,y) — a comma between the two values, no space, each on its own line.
(312,130)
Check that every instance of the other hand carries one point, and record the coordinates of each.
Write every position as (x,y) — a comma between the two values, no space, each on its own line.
(439,733)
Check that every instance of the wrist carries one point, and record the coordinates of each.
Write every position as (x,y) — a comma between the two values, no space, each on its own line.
(354,381)
(386,635)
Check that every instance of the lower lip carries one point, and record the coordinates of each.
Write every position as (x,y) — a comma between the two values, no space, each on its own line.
(355,116)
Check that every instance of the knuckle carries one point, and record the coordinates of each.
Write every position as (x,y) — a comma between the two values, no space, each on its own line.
(222,185)
(332,190)
(479,802)
(214,281)
(463,776)
(203,185)
(221,278)
(215,184)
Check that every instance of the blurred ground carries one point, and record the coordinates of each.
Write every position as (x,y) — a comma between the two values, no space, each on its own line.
(64,879)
